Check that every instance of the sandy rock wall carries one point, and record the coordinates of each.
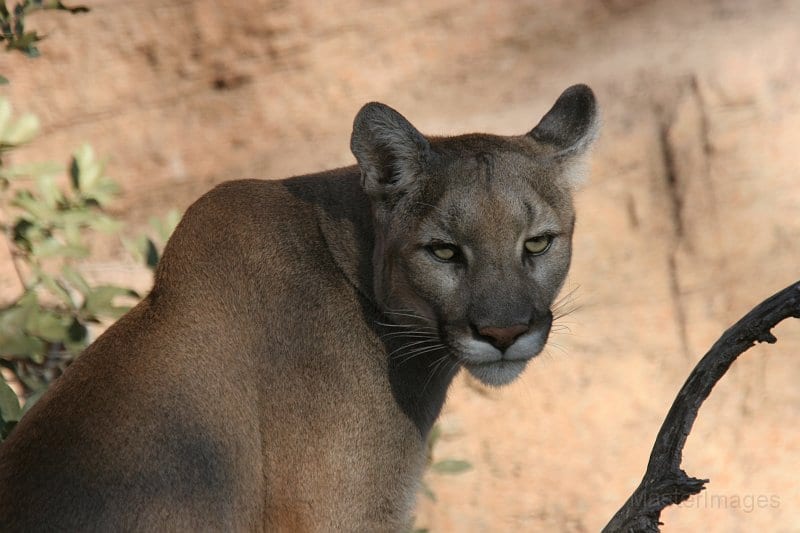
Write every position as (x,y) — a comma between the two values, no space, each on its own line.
(692,215)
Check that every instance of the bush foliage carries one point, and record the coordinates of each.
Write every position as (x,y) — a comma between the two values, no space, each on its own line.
(12,24)
(50,215)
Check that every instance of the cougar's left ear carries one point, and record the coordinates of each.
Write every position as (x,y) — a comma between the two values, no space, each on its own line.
(390,151)
(572,123)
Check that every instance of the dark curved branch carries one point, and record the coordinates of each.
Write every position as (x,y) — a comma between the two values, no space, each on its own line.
(664,482)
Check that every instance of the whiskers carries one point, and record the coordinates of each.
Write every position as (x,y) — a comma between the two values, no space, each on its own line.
(563,307)
(414,336)
(409,313)
(445,363)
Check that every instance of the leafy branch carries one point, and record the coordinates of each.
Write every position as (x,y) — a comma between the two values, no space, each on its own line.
(12,24)
(47,228)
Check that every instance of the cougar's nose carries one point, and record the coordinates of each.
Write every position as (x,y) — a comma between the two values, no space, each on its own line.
(502,338)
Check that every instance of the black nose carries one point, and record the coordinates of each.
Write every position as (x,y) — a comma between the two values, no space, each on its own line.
(502,338)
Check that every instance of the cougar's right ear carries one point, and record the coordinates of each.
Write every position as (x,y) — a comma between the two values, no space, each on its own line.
(390,151)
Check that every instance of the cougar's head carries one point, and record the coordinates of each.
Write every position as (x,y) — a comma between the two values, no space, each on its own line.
(473,233)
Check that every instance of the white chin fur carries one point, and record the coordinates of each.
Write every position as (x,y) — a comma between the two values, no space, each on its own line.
(498,373)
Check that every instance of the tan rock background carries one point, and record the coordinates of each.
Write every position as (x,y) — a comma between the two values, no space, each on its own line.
(691,217)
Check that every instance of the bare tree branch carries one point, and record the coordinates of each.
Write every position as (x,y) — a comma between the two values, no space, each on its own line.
(664,482)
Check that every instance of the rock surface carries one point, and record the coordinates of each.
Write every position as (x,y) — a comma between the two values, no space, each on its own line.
(691,217)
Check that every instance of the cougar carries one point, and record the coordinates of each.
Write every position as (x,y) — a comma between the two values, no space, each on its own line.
(301,335)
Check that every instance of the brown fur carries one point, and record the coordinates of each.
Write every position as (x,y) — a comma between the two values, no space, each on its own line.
(253,388)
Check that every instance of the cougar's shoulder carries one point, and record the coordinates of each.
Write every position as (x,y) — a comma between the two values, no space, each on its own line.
(286,228)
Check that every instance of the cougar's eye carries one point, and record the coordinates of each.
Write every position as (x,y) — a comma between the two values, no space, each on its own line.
(538,245)
(444,252)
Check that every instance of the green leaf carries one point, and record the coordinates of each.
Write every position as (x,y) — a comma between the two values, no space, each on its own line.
(22,131)
(91,172)
(75,279)
(28,301)
(3,80)
(77,333)
(142,249)
(100,301)
(72,233)
(14,321)
(57,288)
(451,466)
(103,191)
(48,190)
(51,247)
(78,216)
(24,233)
(105,224)
(87,173)
(38,210)
(14,318)
(9,404)
(75,174)
(24,345)
(151,254)
(49,326)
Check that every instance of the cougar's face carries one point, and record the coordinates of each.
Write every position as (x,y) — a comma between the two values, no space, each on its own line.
(473,233)
(475,260)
